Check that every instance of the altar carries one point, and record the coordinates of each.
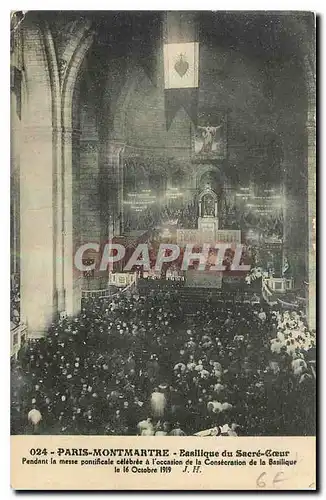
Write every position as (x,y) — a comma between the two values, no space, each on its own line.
(208,224)
(208,232)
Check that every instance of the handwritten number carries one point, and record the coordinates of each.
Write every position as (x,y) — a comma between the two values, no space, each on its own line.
(277,479)
(259,482)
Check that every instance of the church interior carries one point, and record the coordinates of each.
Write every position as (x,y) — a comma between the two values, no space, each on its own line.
(143,128)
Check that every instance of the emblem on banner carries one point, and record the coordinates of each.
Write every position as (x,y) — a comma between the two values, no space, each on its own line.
(181,65)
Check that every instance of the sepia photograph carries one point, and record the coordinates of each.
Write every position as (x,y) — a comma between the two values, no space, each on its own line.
(162,245)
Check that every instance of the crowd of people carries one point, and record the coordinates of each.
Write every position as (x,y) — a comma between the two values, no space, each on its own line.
(266,225)
(142,365)
(155,216)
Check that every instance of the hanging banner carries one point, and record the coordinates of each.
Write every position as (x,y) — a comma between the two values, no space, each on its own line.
(177,98)
(181,65)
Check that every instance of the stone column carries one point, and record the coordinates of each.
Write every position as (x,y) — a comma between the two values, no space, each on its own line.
(121,190)
(294,212)
(14,187)
(311,160)
(58,205)
(41,185)
(72,282)
(37,234)
(113,202)
(89,191)
(286,247)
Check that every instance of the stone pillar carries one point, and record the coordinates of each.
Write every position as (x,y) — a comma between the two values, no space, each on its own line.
(311,160)
(16,75)
(294,213)
(113,203)
(39,179)
(90,229)
(72,282)
(14,184)
(59,240)
(286,248)
(37,235)
(121,190)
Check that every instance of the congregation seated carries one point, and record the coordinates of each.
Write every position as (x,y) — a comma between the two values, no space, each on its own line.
(265,225)
(140,365)
(183,217)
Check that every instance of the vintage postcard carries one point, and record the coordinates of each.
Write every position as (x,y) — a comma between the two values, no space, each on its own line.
(163,250)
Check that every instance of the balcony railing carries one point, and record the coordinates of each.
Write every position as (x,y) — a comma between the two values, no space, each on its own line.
(107,292)
(18,336)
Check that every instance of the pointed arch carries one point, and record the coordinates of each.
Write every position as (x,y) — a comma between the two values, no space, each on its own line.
(71,75)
